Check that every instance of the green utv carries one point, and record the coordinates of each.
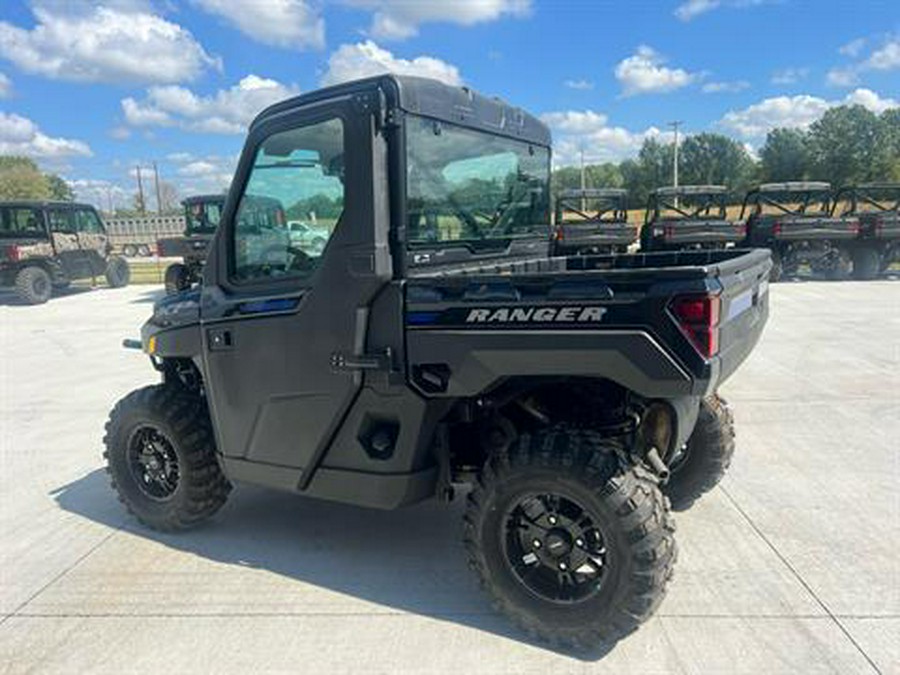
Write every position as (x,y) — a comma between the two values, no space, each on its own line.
(877,207)
(201,217)
(45,246)
(432,347)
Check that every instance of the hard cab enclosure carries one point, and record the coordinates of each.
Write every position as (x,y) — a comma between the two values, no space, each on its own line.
(359,371)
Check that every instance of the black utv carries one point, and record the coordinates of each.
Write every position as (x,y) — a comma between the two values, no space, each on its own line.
(432,347)
(592,220)
(877,207)
(201,218)
(689,216)
(794,220)
(48,245)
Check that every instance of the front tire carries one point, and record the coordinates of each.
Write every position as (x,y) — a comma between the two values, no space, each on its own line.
(866,263)
(161,458)
(706,456)
(573,547)
(118,274)
(177,278)
(33,285)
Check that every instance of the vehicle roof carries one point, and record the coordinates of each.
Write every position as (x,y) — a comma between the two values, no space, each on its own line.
(593,192)
(203,199)
(793,186)
(691,190)
(875,186)
(43,203)
(431,98)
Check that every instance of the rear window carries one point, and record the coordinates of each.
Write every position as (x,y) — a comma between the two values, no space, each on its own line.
(20,222)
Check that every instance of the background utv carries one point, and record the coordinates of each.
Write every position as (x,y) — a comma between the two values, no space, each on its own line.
(432,344)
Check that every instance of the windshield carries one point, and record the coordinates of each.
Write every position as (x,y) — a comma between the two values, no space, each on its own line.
(473,187)
(692,206)
(203,216)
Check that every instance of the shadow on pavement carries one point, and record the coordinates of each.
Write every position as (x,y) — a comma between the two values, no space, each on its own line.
(150,296)
(411,559)
(10,299)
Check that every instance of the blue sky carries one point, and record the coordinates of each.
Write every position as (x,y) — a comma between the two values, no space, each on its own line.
(91,90)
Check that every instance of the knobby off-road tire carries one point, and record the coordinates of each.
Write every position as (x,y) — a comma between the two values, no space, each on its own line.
(841,268)
(118,273)
(625,507)
(33,285)
(173,426)
(177,278)
(777,270)
(705,458)
(866,263)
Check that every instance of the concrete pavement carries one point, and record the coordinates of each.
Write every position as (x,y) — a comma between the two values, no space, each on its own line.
(790,566)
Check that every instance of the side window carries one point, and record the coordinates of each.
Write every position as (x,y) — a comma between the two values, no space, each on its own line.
(60,220)
(21,221)
(292,203)
(87,221)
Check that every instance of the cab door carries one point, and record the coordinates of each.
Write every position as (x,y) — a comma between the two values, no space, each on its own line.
(64,237)
(283,320)
(92,239)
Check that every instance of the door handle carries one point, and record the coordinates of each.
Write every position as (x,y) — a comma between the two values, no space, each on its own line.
(220,339)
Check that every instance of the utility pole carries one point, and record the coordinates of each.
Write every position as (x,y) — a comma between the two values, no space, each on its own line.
(675,125)
(581,151)
(158,199)
(141,191)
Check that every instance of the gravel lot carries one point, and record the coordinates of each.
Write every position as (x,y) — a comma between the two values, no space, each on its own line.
(792,565)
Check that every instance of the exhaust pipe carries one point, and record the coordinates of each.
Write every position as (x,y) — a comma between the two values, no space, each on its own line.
(659,467)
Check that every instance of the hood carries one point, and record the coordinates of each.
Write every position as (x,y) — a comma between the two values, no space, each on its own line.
(178,309)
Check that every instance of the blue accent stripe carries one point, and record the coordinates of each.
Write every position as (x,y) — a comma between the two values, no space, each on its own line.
(276,305)
(422,318)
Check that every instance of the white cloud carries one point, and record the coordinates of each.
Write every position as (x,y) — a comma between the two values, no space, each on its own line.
(400,19)
(120,133)
(583,85)
(228,111)
(725,87)
(364,59)
(853,48)
(799,111)
(104,44)
(691,9)
(789,75)
(292,24)
(885,58)
(20,136)
(100,193)
(577,129)
(5,86)
(195,175)
(644,73)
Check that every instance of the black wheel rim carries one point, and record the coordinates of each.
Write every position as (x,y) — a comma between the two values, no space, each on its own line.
(153,463)
(555,548)
(40,286)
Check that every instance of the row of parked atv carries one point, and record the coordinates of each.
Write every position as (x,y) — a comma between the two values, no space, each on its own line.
(853,231)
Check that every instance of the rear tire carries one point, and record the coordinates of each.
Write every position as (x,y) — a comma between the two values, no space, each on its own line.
(627,533)
(705,458)
(866,263)
(144,251)
(118,273)
(177,278)
(841,267)
(33,285)
(165,425)
(777,270)
(129,250)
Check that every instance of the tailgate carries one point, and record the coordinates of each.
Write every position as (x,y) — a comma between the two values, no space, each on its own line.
(717,231)
(816,228)
(594,234)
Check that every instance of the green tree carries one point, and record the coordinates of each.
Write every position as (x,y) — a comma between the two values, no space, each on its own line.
(785,155)
(59,189)
(651,169)
(890,139)
(714,159)
(20,178)
(846,146)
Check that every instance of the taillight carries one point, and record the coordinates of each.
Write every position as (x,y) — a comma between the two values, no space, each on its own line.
(776,228)
(559,235)
(741,230)
(12,254)
(670,231)
(698,318)
(854,227)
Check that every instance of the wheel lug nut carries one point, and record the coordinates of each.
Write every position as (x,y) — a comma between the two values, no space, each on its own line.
(552,520)
(537,543)
(562,566)
(579,542)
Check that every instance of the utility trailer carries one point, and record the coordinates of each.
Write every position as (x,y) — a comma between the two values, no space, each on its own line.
(795,221)
(136,236)
(876,206)
(432,346)
(592,220)
(689,216)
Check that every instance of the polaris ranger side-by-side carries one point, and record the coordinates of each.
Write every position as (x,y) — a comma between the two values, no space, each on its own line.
(48,245)
(432,346)
(201,217)
(794,220)
(593,220)
(877,207)
(689,216)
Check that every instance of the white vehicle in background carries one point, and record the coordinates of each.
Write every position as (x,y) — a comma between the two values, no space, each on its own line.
(307,235)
